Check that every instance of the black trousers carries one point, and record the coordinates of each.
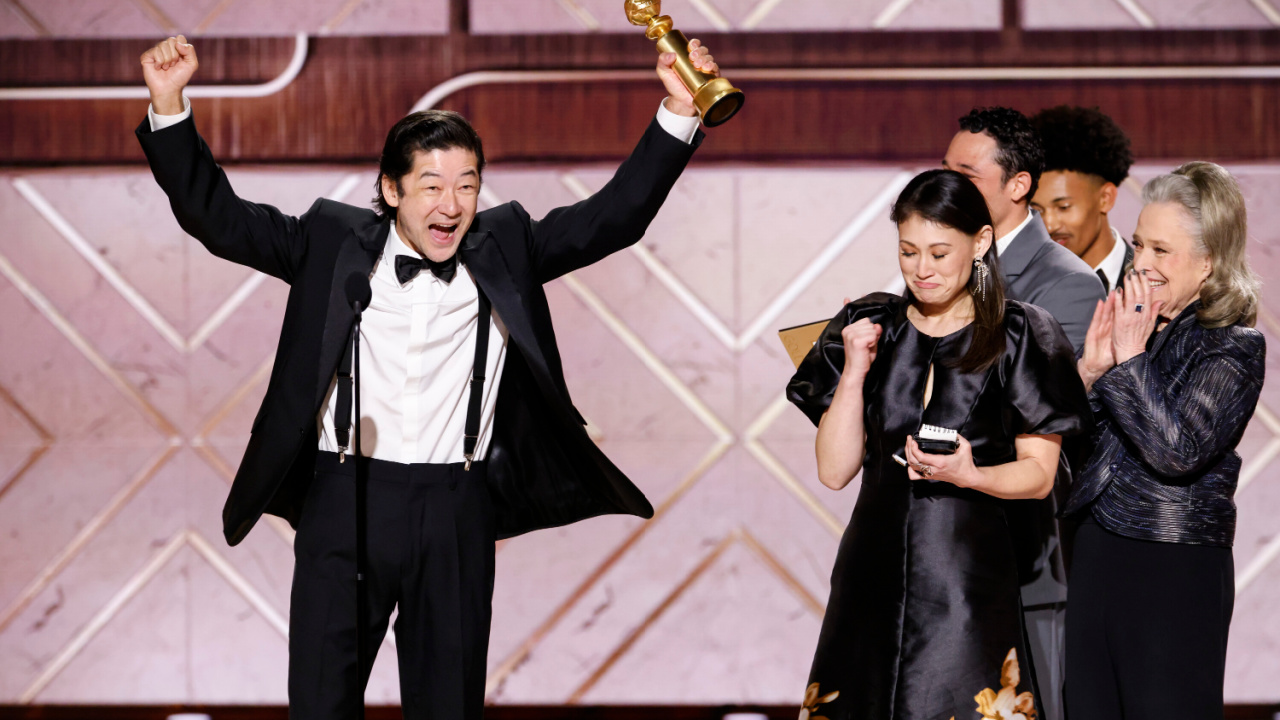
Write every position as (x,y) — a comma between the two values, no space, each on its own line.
(1146,628)
(430,551)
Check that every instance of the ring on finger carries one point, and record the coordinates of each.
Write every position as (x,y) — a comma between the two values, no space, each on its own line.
(1137,308)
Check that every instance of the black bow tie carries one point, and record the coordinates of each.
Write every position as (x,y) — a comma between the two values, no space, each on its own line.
(407,267)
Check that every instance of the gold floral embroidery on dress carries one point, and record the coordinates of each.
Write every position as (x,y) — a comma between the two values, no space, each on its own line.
(1008,704)
(812,701)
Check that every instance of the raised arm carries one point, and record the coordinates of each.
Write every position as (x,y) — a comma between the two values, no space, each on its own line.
(618,215)
(205,205)
(842,438)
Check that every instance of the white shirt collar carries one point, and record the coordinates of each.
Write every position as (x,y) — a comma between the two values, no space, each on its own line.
(1113,264)
(397,245)
(1004,242)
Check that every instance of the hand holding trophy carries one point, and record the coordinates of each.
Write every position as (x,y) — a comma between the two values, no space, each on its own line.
(715,98)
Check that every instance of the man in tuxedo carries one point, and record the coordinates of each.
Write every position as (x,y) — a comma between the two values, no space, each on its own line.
(469,433)
(1001,153)
(1086,157)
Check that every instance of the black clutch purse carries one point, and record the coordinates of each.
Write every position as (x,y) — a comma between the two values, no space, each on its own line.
(937,440)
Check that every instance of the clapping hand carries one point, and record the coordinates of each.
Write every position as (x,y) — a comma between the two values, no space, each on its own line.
(1120,328)
(1099,355)
(1135,318)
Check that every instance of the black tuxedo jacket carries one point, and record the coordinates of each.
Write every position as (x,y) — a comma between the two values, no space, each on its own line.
(543,469)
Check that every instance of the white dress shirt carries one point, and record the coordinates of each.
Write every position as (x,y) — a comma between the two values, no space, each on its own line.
(1004,242)
(1113,264)
(417,349)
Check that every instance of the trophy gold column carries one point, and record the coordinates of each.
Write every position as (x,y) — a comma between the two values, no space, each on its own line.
(715,98)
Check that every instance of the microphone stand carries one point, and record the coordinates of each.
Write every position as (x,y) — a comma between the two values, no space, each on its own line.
(362,601)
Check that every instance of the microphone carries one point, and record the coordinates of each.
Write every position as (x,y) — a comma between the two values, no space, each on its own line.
(358,291)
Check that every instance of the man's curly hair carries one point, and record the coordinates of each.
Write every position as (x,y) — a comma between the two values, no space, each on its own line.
(1018,147)
(1083,140)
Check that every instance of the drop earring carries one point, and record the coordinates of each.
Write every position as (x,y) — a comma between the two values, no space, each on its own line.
(981,271)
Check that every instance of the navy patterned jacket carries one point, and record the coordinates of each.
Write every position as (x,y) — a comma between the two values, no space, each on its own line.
(1164,465)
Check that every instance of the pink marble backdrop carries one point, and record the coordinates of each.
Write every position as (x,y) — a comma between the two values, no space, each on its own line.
(222,18)
(131,363)
(150,18)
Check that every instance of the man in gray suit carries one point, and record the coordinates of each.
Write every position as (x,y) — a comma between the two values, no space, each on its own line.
(1001,153)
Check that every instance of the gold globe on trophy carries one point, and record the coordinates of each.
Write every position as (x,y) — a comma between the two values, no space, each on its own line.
(715,98)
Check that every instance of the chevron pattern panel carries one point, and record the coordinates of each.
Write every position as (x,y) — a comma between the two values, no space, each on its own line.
(131,363)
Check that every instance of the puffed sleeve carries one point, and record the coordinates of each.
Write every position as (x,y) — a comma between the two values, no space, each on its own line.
(1043,386)
(815,381)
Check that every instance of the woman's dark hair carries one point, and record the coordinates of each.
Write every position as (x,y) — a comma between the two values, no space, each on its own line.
(949,199)
(423,131)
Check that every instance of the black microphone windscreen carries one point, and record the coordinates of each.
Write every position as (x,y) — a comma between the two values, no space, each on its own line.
(358,290)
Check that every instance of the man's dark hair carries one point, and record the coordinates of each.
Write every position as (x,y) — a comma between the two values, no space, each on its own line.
(424,131)
(1018,147)
(949,199)
(1083,140)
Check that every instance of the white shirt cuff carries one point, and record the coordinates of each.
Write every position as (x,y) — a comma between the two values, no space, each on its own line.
(681,127)
(160,122)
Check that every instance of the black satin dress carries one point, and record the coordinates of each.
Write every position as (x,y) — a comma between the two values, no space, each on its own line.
(924,605)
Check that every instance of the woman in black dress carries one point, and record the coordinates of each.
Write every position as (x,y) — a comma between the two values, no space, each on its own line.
(1174,368)
(924,615)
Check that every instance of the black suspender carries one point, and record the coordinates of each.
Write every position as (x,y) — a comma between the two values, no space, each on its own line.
(342,413)
(472,429)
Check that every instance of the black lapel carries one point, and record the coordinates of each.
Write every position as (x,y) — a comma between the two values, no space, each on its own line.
(356,255)
(482,257)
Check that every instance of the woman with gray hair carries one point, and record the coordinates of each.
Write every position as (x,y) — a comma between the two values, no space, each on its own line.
(1174,369)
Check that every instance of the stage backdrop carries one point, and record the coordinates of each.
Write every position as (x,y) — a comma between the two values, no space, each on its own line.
(132,362)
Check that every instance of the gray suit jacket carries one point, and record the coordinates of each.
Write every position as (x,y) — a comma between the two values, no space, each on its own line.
(1039,271)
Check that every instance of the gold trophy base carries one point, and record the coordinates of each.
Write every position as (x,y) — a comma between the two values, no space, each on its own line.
(717,101)
(715,98)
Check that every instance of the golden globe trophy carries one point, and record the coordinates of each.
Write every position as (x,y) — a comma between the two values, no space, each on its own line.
(715,98)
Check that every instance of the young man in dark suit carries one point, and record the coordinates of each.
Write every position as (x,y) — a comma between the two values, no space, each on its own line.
(1086,158)
(468,430)
(1001,153)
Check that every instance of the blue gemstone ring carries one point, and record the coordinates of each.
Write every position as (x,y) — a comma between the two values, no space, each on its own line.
(1137,308)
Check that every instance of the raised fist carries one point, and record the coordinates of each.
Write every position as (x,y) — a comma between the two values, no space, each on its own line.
(168,68)
(861,342)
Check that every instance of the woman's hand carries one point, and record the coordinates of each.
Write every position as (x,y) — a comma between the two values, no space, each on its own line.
(1030,476)
(1099,354)
(957,468)
(1135,319)
(861,341)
